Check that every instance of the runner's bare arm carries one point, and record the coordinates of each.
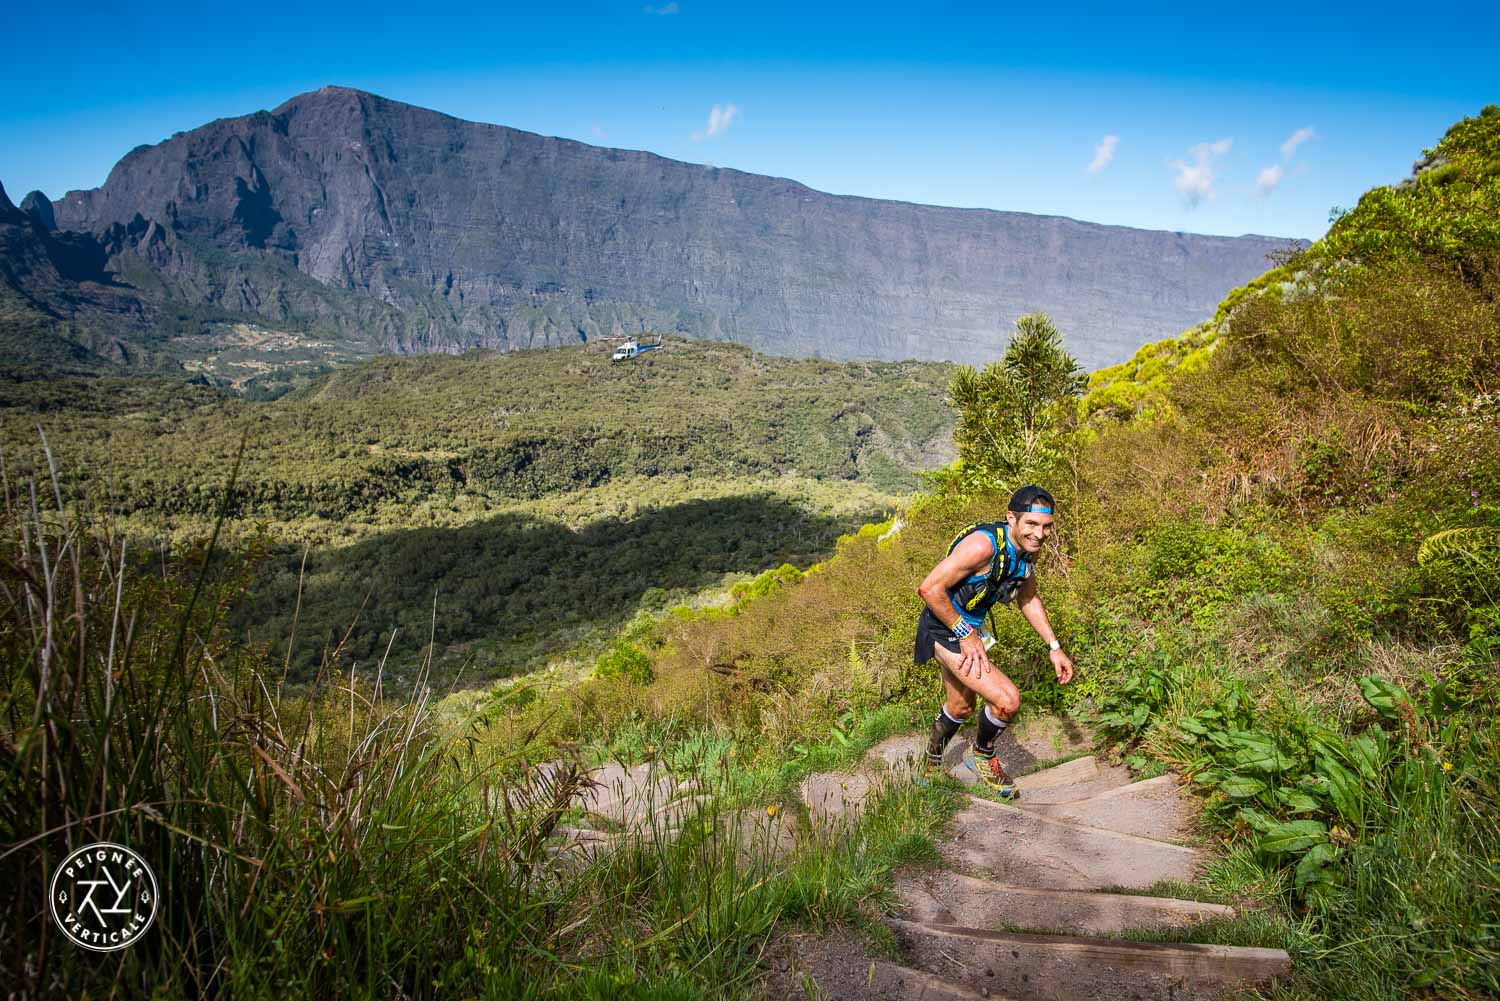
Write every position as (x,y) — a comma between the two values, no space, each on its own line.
(971,556)
(1030,604)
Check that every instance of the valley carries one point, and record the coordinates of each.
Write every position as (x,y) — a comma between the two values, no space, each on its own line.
(508,508)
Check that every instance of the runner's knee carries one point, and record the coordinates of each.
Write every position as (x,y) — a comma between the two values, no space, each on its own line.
(1008,700)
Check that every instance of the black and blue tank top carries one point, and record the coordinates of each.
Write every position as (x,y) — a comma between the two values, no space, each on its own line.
(1009,567)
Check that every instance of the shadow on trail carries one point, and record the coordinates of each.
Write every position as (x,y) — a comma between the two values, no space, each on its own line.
(516,588)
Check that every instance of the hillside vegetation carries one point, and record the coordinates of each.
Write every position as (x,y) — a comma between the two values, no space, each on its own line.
(1276,572)
(481,428)
(460,500)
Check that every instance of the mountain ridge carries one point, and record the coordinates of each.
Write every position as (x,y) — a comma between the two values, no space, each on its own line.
(481,235)
(354,91)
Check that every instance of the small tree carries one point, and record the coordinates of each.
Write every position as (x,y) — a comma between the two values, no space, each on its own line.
(1011,415)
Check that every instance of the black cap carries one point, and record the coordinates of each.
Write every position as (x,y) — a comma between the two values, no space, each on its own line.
(1031,498)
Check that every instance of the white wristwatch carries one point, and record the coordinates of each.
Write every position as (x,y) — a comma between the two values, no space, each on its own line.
(1054,645)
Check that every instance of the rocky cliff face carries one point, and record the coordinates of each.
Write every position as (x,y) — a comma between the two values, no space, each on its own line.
(453,234)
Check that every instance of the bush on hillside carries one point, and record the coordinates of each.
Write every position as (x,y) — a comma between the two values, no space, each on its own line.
(1399,331)
(1010,415)
(625,660)
(1447,214)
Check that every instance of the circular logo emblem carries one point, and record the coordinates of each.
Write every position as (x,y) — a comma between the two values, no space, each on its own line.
(103,896)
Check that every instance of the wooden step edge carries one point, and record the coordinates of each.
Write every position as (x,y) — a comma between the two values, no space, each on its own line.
(1166,781)
(1106,794)
(1068,773)
(1165,903)
(1071,825)
(1210,963)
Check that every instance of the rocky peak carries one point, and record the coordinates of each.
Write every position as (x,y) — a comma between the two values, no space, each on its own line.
(329,113)
(8,211)
(39,207)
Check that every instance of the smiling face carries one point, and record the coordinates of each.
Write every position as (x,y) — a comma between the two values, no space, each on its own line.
(1029,530)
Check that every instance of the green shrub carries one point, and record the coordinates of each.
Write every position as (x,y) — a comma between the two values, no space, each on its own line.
(766,582)
(1011,414)
(625,660)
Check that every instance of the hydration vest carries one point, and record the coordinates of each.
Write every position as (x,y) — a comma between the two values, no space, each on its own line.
(1009,568)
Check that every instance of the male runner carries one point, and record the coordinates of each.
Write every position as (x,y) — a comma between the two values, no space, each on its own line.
(987,563)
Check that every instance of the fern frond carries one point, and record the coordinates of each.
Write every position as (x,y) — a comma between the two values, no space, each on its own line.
(1459,542)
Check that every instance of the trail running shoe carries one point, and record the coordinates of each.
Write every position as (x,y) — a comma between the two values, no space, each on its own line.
(991,775)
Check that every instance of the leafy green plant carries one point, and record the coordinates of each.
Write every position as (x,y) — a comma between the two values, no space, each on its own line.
(1011,412)
(624,660)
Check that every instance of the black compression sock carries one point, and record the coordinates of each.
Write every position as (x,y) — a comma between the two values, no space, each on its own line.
(989,731)
(943,729)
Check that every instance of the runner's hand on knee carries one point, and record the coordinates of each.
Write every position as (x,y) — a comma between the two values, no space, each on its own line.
(973,659)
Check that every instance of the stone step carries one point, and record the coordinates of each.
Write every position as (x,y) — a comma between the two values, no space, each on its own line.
(886,981)
(843,966)
(1019,847)
(1068,968)
(841,795)
(627,795)
(630,796)
(837,796)
(760,835)
(900,753)
(1034,739)
(1069,774)
(1079,779)
(952,898)
(1155,808)
(670,819)
(579,845)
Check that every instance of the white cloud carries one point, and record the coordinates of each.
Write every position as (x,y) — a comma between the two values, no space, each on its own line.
(664,10)
(1103,153)
(1269,177)
(719,120)
(1296,139)
(1195,180)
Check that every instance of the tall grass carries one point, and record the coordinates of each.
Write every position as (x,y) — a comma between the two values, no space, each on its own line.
(330,845)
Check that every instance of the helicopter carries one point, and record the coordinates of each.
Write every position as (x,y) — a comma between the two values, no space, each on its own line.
(634,348)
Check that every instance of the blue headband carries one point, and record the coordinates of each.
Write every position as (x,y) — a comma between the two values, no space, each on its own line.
(1038,509)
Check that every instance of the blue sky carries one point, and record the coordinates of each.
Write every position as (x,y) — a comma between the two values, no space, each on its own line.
(1226,119)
